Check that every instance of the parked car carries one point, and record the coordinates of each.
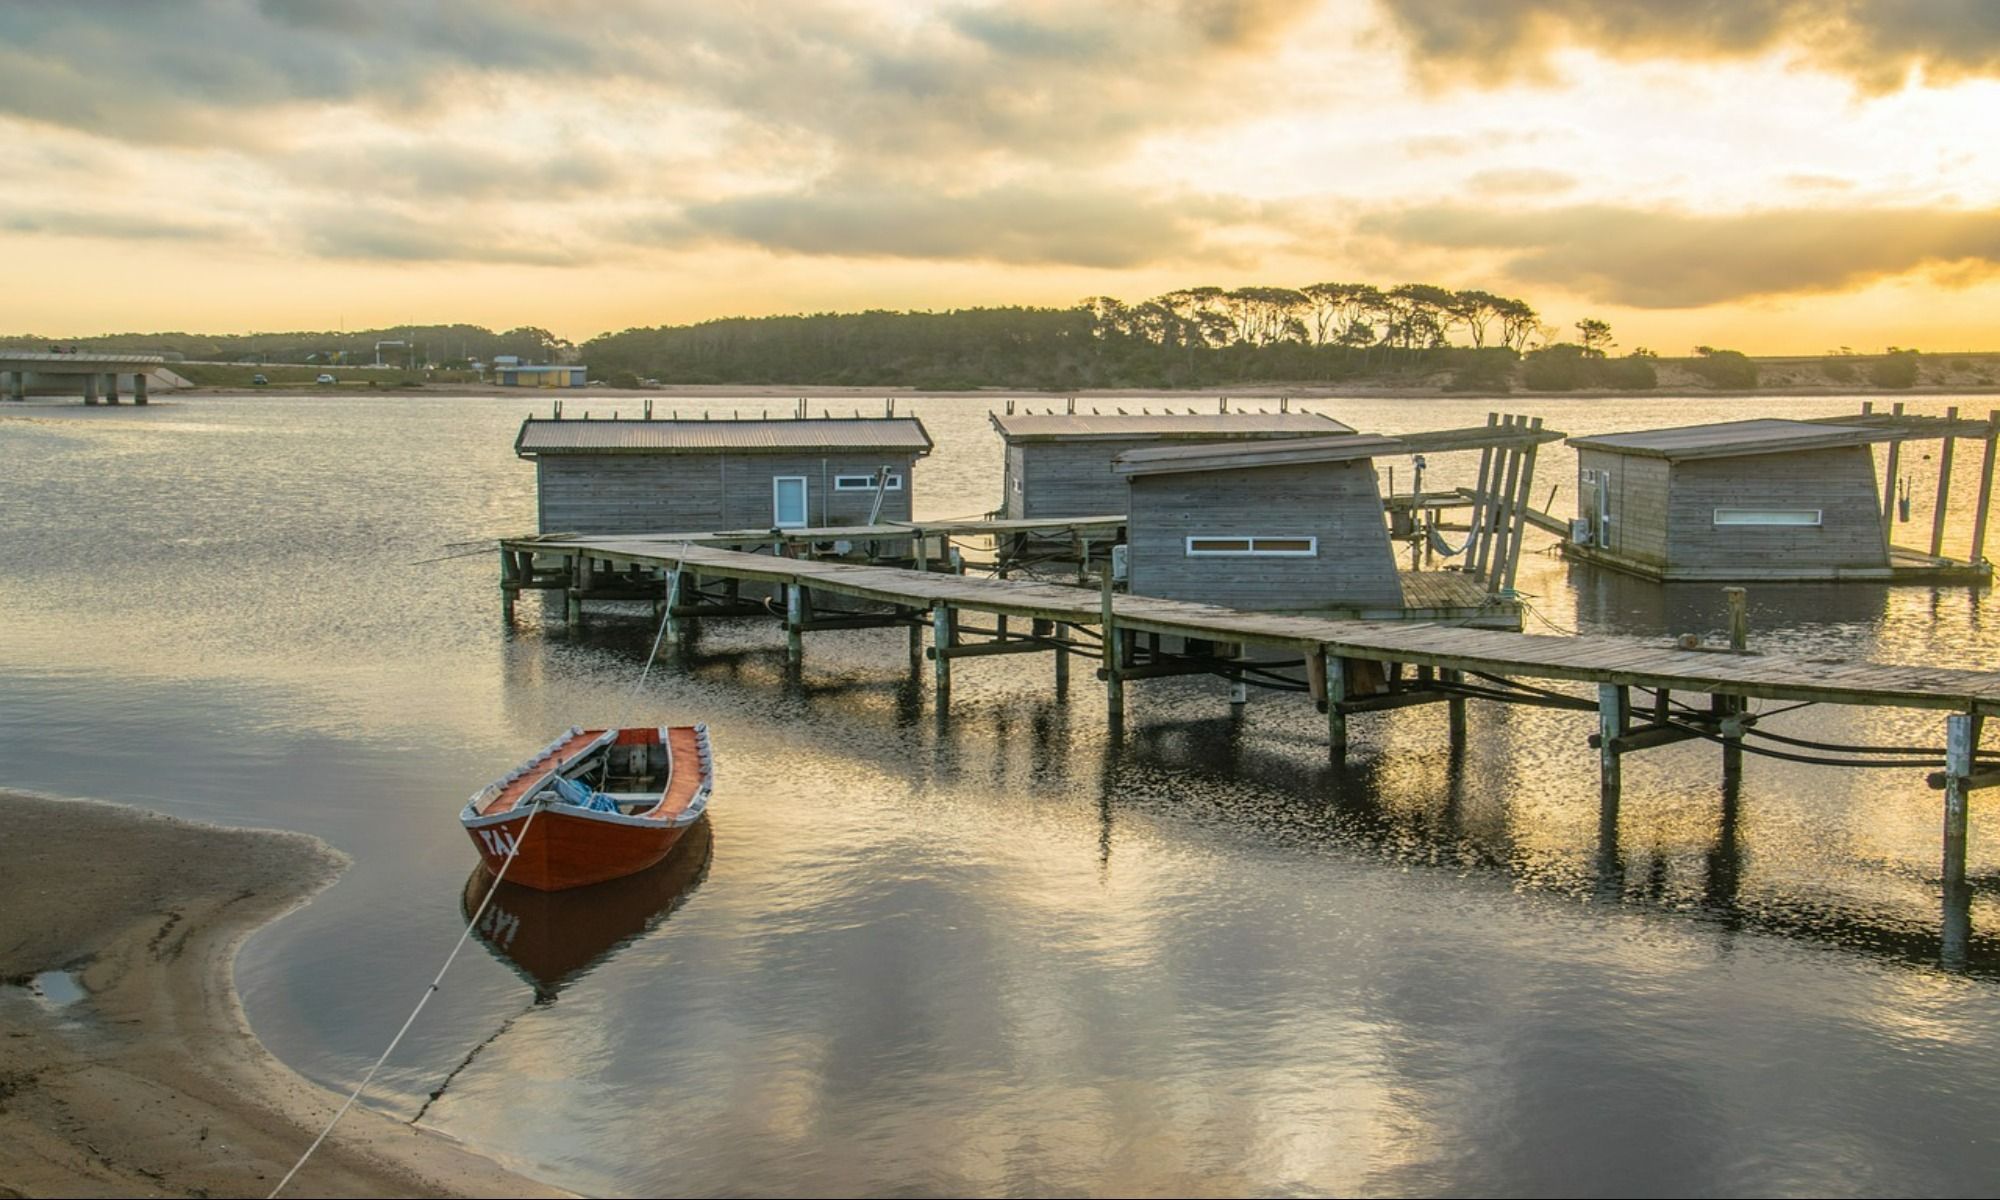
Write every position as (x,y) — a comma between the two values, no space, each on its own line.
(259,380)
(325,378)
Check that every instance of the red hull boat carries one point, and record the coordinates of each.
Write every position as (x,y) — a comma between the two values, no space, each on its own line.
(606,803)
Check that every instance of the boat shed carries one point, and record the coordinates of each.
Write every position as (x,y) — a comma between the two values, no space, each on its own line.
(660,476)
(1059,464)
(543,376)
(1290,526)
(1760,499)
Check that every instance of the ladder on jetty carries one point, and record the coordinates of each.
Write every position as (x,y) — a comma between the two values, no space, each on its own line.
(1350,666)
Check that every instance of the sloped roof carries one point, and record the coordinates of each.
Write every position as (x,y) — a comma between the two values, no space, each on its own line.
(1725,439)
(1237,456)
(542,435)
(1216,426)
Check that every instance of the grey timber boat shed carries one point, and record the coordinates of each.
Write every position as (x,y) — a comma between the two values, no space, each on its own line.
(657,476)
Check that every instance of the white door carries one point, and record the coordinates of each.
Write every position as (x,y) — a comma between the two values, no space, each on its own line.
(788,501)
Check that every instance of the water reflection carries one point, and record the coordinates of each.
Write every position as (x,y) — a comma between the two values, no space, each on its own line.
(552,939)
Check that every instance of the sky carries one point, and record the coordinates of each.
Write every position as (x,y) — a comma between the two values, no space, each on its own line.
(1777,176)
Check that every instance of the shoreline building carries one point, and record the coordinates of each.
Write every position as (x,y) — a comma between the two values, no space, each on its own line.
(1059,464)
(1765,499)
(622,475)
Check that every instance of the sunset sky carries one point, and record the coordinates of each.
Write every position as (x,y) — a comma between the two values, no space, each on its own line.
(1782,176)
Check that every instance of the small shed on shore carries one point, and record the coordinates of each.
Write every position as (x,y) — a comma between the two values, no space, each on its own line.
(1293,525)
(648,476)
(1059,464)
(538,375)
(1759,499)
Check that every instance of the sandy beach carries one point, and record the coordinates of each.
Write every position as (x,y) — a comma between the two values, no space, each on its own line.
(150,1081)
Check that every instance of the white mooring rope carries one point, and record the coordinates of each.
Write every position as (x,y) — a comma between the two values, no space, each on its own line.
(512,851)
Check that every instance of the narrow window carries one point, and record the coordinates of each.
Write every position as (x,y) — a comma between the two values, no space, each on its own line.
(864,483)
(788,501)
(1291,546)
(1767,516)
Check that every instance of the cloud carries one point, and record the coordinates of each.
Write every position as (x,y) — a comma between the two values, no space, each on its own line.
(1876,43)
(1647,258)
(1520,181)
(457,171)
(1021,224)
(384,234)
(1036,80)
(114,225)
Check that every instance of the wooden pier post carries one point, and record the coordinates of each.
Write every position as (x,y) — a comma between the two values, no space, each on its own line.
(796,606)
(510,579)
(916,641)
(1517,520)
(1985,485)
(1114,655)
(1943,503)
(1614,718)
(1728,707)
(1062,635)
(139,388)
(673,602)
(1475,524)
(1961,744)
(111,387)
(1889,481)
(1239,694)
(1493,563)
(1326,682)
(579,579)
(1454,708)
(944,634)
(90,388)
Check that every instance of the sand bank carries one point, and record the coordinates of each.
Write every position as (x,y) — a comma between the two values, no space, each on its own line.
(150,1082)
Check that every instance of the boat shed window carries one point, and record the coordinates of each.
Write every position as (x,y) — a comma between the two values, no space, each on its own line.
(1294,546)
(865,483)
(1767,516)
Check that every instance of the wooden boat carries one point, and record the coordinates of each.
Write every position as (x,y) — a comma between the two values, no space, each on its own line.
(608,802)
(552,939)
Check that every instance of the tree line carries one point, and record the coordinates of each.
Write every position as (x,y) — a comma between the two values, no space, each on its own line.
(1191,337)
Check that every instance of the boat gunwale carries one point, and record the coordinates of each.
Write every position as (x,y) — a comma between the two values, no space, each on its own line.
(692,811)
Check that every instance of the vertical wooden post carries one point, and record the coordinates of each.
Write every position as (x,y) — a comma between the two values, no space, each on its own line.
(1336,718)
(1943,504)
(1985,485)
(1239,693)
(1476,522)
(1061,632)
(673,601)
(1502,503)
(922,547)
(579,579)
(1889,482)
(1738,601)
(916,640)
(1614,717)
(90,388)
(796,605)
(139,387)
(111,387)
(1961,745)
(1517,516)
(943,620)
(1114,654)
(510,580)
(1454,707)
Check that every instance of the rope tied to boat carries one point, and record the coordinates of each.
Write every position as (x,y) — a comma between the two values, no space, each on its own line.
(534,806)
(513,850)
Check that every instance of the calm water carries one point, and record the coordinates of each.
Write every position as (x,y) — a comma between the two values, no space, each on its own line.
(1012,953)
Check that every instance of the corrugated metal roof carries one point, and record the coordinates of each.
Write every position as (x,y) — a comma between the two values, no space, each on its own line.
(1765,435)
(1054,427)
(1231,456)
(541,435)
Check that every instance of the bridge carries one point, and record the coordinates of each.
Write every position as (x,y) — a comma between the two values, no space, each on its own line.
(93,376)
